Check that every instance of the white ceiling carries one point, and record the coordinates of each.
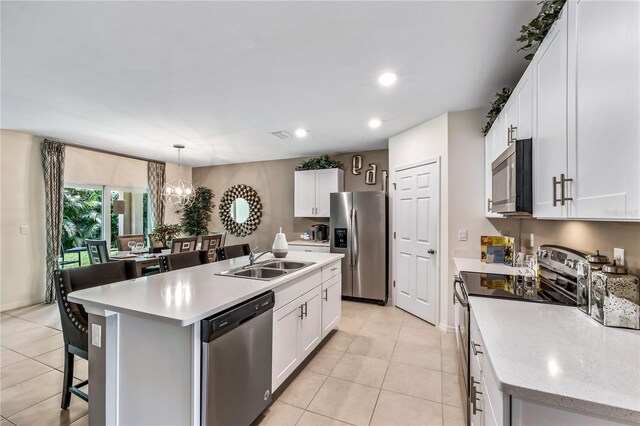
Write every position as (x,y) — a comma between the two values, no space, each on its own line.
(137,77)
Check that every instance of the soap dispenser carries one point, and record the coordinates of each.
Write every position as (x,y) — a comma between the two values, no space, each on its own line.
(280,247)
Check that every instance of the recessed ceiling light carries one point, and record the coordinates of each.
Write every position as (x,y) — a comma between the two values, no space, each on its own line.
(387,79)
(374,123)
(301,133)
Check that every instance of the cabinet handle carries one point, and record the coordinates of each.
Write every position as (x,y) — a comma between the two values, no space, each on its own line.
(555,192)
(306,311)
(301,311)
(334,269)
(488,204)
(510,138)
(564,180)
(473,346)
(326,295)
(474,399)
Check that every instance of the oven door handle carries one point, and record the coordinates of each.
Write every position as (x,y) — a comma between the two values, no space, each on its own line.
(463,301)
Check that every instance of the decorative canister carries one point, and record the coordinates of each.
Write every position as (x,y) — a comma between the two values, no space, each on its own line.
(280,246)
(593,263)
(615,297)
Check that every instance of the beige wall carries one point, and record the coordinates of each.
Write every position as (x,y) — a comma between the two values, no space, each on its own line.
(273,181)
(22,256)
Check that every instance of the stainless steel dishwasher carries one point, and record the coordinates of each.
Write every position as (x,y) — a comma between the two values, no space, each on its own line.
(236,362)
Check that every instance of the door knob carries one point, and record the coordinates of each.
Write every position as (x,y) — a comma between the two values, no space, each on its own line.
(431,251)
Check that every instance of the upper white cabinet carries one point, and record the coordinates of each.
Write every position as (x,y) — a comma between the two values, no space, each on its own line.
(604,109)
(488,158)
(312,189)
(550,122)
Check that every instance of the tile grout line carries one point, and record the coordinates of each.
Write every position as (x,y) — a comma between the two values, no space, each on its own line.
(395,343)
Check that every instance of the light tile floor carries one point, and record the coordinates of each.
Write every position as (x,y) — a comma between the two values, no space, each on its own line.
(382,367)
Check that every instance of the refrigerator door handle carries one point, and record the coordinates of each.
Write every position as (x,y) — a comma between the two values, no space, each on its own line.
(354,237)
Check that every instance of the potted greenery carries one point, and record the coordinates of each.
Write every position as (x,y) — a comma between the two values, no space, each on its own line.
(322,162)
(196,217)
(163,234)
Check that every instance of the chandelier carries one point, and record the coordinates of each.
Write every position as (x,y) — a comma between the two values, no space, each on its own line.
(178,192)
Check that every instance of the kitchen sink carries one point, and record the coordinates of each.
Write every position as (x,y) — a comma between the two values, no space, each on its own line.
(287,265)
(260,273)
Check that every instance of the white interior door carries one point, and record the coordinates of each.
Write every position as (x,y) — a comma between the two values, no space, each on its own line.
(417,210)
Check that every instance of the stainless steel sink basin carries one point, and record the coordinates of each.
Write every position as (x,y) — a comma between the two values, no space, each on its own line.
(288,265)
(260,273)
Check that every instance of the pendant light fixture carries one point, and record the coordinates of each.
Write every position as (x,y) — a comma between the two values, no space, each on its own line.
(178,192)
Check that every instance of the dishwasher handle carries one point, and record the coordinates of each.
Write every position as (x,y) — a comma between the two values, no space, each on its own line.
(220,324)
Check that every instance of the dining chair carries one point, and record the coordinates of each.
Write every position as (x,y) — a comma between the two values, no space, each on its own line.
(210,243)
(98,251)
(74,318)
(172,262)
(62,262)
(180,245)
(123,241)
(230,252)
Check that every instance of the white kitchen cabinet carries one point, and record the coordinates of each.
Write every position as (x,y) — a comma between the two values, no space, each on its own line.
(312,189)
(286,334)
(500,135)
(311,324)
(488,159)
(331,304)
(604,109)
(310,248)
(518,112)
(550,121)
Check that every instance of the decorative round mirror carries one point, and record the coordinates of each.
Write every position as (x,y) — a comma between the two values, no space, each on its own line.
(240,210)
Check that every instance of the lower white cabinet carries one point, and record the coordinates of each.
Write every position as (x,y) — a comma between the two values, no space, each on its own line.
(331,304)
(286,349)
(309,248)
(311,322)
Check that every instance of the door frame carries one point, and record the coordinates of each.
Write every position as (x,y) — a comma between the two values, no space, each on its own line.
(436,160)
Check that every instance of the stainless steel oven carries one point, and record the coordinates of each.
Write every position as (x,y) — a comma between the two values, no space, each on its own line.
(461,303)
(512,179)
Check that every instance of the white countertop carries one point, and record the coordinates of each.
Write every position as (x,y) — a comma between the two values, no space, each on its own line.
(309,243)
(558,355)
(189,295)
(475,265)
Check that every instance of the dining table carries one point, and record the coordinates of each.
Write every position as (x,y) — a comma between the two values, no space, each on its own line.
(143,259)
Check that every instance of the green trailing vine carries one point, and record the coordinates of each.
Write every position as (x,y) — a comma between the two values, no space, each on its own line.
(496,106)
(196,217)
(322,162)
(535,31)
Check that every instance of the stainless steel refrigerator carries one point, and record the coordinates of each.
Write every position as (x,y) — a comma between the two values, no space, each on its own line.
(359,228)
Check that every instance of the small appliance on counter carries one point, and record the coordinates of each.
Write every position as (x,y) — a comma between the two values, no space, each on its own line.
(593,262)
(615,297)
(280,247)
(319,232)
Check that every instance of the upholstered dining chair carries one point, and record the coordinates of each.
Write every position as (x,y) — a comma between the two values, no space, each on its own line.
(123,241)
(210,243)
(230,252)
(74,319)
(98,251)
(180,245)
(173,262)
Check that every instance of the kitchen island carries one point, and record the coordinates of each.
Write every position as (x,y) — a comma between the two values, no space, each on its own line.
(145,337)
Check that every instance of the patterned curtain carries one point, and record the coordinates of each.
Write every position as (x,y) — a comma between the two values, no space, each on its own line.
(156,177)
(53,169)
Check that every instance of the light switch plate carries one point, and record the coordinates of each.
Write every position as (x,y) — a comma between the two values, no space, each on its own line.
(463,234)
(24,229)
(532,242)
(96,335)
(618,256)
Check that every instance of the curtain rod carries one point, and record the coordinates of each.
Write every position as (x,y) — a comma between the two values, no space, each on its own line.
(104,151)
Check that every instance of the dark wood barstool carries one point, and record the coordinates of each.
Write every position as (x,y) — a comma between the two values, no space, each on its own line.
(230,252)
(172,262)
(74,318)
(123,241)
(180,245)
(210,243)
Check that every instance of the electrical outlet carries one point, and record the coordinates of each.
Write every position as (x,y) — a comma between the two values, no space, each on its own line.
(96,335)
(24,229)
(532,243)
(618,256)
(463,234)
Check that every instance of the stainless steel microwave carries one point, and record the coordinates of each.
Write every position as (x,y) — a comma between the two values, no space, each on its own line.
(512,179)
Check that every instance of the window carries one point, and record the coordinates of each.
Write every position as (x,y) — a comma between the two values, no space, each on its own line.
(81,220)
(131,215)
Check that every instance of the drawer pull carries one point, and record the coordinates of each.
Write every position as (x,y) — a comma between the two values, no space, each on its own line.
(301,311)
(334,269)
(473,346)
(326,294)
(474,399)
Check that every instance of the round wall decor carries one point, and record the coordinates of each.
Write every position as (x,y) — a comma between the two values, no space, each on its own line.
(240,210)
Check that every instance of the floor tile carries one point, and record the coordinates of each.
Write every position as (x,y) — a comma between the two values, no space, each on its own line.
(48,412)
(20,372)
(313,419)
(83,421)
(8,357)
(28,336)
(346,401)
(54,358)
(24,395)
(281,414)
(40,346)
(387,315)
(339,341)
(302,390)
(453,416)
(451,390)
(419,336)
(373,348)
(44,314)
(355,313)
(361,369)
(81,369)
(350,325)
(377,330)
(450,361)
(449,341)
(11,325)
(5,422)
(418,355)
(324,361)
(414,381)
(396,409)
(413,321)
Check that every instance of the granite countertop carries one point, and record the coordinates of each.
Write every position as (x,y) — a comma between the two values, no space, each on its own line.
(189,295)
(557,354)
(309,243)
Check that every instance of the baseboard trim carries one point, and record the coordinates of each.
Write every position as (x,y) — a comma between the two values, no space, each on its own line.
(445,328)
(20,304)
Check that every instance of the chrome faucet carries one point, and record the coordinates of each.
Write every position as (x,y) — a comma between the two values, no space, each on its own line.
(253,257)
